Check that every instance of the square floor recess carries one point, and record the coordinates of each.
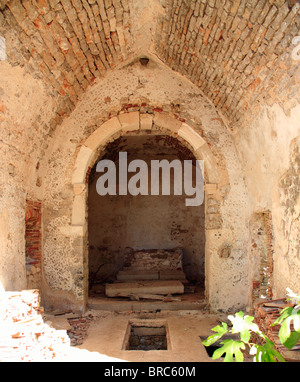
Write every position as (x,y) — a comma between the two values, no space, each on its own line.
(146,336)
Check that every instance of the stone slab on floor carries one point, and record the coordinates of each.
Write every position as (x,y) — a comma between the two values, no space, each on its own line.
(172,275)
(160,287)
(107,334)
(106,304)
(134,275)
(131,275)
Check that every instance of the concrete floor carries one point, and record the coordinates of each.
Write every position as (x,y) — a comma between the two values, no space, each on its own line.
(106,335)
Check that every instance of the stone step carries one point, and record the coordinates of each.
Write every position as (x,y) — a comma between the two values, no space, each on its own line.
(136,275)
(133,275)
(115,305)
(172,275)
(160,287)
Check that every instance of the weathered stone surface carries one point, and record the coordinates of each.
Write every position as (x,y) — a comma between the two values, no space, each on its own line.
(80,170)
(201,42)
(144,287)
(103,133)
(230,72)
(166,121)
(222,39)
(154,260)
(130,121)
(146,121)
(133,275)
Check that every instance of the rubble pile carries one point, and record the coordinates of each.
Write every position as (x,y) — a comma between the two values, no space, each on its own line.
(79,327)
(24,336)
(265,314)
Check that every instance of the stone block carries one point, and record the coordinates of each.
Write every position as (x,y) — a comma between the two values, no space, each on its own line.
(103,133)
(147,287)
(190,135)
(121,36)
(154,260)
(130,121)
(79,188)
(81,165)
(78,212)
(146,121)
(134,275)
(211,169)
(78,231)
(166,121)
(172,275)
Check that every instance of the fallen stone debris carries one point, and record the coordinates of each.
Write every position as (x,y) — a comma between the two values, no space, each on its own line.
(79,328)
(266,313)
(27,335)
(24,336)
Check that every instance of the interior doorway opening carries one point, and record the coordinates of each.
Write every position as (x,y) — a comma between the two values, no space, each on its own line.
(156,228)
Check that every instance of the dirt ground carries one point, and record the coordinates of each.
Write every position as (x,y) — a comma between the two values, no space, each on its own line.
(107,332)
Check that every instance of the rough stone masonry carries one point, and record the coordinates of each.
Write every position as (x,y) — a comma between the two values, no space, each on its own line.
(221,79)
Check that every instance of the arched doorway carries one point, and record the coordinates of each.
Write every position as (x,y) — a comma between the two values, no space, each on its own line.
(145,232)
(111,130)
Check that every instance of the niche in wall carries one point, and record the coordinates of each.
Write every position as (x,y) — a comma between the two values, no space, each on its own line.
(33,243)
(122,223)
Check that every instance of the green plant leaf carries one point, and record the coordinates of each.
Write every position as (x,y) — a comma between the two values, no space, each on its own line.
(289,316)
(291,341)
(267,353)
(243,325)
(231,349)
(220,331)
(285,330)
(296,320)
(285,313)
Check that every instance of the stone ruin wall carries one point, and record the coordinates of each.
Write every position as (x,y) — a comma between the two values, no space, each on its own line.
(258,97)
(162,94)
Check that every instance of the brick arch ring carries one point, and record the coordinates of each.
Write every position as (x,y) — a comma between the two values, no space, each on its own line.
(123,124)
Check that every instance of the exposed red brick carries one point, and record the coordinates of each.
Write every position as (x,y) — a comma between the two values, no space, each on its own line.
(33,243)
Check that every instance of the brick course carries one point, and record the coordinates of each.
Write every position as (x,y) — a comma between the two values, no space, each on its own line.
(33,243)
(232,50)
(238,52)
(71,42)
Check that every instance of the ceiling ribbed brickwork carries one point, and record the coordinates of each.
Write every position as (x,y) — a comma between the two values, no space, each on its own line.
(69,43)
(237,51)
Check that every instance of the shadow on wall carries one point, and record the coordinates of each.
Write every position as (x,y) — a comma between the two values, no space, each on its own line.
(122,223)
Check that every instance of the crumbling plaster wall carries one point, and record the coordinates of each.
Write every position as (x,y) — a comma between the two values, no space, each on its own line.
(155,89)
(269,152)
(256,74)
(25,109)
(267,140)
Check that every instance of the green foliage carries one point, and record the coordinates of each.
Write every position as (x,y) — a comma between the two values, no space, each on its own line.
(245,327)
(266,352)
(290,315)
(231,349)
(220,330)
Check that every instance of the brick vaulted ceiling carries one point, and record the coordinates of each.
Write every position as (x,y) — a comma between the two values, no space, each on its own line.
(237,51)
